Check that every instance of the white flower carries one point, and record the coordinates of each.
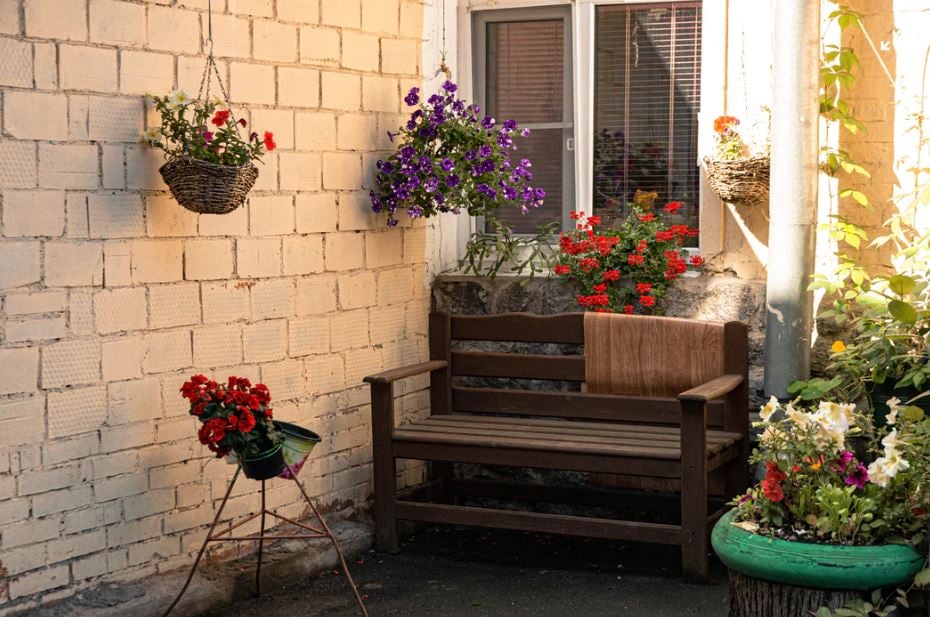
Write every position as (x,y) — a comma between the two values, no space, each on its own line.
(833,423)
(886,467)
(219,103)
(800,418)
(878,474)
(891,441)
(179,98)
(894,463)
(768,409)
(771,434)
(153,133)
(893,405)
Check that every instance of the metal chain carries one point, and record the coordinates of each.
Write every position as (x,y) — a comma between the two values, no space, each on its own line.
(211,68)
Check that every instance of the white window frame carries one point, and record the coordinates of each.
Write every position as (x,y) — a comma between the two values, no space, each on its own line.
(713,34)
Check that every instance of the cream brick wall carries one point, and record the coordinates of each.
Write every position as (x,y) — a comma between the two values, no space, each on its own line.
(111,294)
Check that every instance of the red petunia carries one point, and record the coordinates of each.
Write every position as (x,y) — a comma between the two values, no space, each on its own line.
(220,117)
(647,218)
(601,288)
(269,141)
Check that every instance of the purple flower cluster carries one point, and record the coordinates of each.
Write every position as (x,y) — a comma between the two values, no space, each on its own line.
(451,157)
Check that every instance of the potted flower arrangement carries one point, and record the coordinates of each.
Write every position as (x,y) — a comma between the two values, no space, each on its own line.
(210,166)
(734,174)
(236,418)
(627,269)
(830,517)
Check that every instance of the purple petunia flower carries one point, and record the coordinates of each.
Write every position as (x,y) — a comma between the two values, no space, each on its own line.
(431,184)
(448,86)
(452,180)
(488,122)
(412,97)
(484,151)
(510,125)
(470,155)
(858,477)
(525,133)
(406,153)
(415,212)
(447,164)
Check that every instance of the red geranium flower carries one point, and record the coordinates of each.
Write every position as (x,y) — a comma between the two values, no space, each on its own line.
(636,260)
(673,206)
(647,218)
(772,490)
(611,275)
(696,260)
(628,309)
(561,269)
(269,141)
(647,301)
(643,288)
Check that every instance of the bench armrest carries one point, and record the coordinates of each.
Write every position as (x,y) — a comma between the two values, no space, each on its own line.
(406,371)
(712,390)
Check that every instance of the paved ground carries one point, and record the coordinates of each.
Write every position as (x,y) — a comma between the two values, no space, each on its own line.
(444,572)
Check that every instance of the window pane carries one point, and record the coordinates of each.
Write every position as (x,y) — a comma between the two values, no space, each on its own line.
(544,148)
(526,70)
(647,94)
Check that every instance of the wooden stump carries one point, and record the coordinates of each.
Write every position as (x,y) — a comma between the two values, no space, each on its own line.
(751,597)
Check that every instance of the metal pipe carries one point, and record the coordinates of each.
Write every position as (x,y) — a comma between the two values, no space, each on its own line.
(793,192)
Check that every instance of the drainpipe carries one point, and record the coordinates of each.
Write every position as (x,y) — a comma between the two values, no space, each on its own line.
(793,191)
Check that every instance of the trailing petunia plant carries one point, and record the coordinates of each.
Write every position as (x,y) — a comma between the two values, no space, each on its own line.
(206,131)
(627,269)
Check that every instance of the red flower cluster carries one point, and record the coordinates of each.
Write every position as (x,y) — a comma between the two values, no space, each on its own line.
(771,484)
(723,123)
(221,117)
(269,141)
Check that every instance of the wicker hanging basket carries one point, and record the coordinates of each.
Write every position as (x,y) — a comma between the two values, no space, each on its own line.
(742,182)
(208,188)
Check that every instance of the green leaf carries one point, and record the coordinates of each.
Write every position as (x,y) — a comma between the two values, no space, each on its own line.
(901,284)
(902,311)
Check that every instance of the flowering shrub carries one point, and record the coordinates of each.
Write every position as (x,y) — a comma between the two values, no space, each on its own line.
(204,131)
(821,486)
(451,157)
(236,416)
(627,269)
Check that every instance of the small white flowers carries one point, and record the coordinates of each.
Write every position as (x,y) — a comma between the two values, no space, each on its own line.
(893,405)
(179,98)
(153,133)
(768,409)
(891,464)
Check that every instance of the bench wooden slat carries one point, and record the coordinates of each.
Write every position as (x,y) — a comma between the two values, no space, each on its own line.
(520,327)
(582,405)
(517,366)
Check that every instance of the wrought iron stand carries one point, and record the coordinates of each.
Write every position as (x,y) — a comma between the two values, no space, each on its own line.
(322,531)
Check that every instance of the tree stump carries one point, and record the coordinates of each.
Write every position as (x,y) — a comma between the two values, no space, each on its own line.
(751,597)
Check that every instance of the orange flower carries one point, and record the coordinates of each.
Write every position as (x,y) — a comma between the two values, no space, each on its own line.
(838,346)
(723,123)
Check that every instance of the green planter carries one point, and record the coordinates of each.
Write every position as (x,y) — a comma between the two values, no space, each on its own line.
(817,566)
(298,442)
(264,465)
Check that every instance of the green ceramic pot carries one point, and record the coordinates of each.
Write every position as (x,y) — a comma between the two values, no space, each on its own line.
(298,442)
(818,566)
(264,465)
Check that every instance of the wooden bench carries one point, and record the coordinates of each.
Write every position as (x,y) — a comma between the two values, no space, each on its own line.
(694,445)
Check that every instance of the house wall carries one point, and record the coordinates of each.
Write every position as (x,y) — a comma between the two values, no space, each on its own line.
(112,294)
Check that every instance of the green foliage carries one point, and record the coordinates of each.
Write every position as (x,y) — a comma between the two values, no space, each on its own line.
(488,252)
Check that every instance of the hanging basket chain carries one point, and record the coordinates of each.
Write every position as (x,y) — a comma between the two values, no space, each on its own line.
(211,68)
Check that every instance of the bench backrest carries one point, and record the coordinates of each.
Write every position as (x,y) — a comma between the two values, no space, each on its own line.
(512,331)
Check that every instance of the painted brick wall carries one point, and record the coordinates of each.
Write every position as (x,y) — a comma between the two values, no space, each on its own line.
(112,294)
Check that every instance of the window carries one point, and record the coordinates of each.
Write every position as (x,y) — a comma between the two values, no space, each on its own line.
(639,116)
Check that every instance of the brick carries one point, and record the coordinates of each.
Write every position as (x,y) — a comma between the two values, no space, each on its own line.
(265,341)
(166,351)
(176,30)
(389,326)
(341,170)
(303,254)
(316,212)
(122,358)
(46,66)
(70,449)
(115,215)
(217,346)
(382,16)
(357,132)
(308,336)
(299,11)
(73,264)
(298,87)
(32,303)
(9,17)
(383,249)
(360,363)
(135,531)
(21,560)
(208,259)
(224,302)
(251,83)
(174,305)
(76,225)
(142,163)
(324,373)
(394,286)
(56,19)
(56,502)
(78,111)
(14,510)
(36,329)
(315,130)
(341,91)
(236,223)
(380,93)
(411,19)
(114,167)
(70,363)
(19,264)
(107,489)
(356,290)
(133,401)
(157,261)
(117,23)
(21,422)
(81,312)
(35,115)
(119,310)
(41,580)
(343,13)
(76,546)
(165,218)
(319,45)
(187,519)
(87,68)
(148,503)
(284,379)
(272,298)
(19,161)
(115,119)
(360,51)
(68,166)
(400,56)
(126,436)
(257,8)
(17,66)
(271,215)
(258,257)
(315,295)
(274,42)
(300,171)
(154,551)
(117,264)
(76,411)
(89,567)
(231,36)
(345,251)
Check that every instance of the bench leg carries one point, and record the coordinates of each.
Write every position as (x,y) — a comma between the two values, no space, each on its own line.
(385,467)
(694,536)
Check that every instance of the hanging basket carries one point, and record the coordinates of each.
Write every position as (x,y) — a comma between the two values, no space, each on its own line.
(208,188)
(741,182)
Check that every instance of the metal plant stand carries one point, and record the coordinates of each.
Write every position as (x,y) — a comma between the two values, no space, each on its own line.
(322,531)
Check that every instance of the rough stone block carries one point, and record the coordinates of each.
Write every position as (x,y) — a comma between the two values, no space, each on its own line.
(175,30)
(35,115)
(224,302)
(342,170)
(298,87)
(119,310)
(230,36)
(400,56)
(122,358)
(265,341)
(316,212)
(315,130)
(252,83)
(360,51)
(19,168)
(308,336)
(32,303)
(73,264)
(272,298)
(17,67)
(284,379)
(382,16)
(166,351)
(75,411)
(357,132)
(341,13)
(56,19)
(271,215)
(274,42)
(157,261)
(217,346)
(21,372)
(381,93)
(299,11)
(319,45)
(356,290)
(115,215)
(166,219)
(174,305)
(299,171)
(117,23)
(341,91)
(345,251)
(70,363)
(133,401)
(208,259)
(303,254)
(117,263)
(87,68)
(325,373)
(33,213)
(258,257)
(68,166)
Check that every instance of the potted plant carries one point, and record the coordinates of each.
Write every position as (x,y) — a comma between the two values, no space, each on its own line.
(627,269)
(735,174)
(209,168)
(236,418)
(828,519)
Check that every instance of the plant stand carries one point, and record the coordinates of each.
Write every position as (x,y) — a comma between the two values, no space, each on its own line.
(751,597)
(322,531)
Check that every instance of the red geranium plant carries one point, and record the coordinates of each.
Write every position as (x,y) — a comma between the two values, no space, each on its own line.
(627,269)
(236,416)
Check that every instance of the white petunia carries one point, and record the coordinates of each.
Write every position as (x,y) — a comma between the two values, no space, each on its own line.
(894,463)
(153,133)
(800,418)
(178,98)
(877,473)
(891,441)
(768,409)
(893,405)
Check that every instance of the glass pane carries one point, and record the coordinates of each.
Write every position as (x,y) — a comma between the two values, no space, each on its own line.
(526,70)
(544,148)
(647,90)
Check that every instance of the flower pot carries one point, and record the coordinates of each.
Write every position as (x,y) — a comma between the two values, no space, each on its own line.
(743,181)
(208,188)
(818,566)
(880,394)
(264,465)
(297,444)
